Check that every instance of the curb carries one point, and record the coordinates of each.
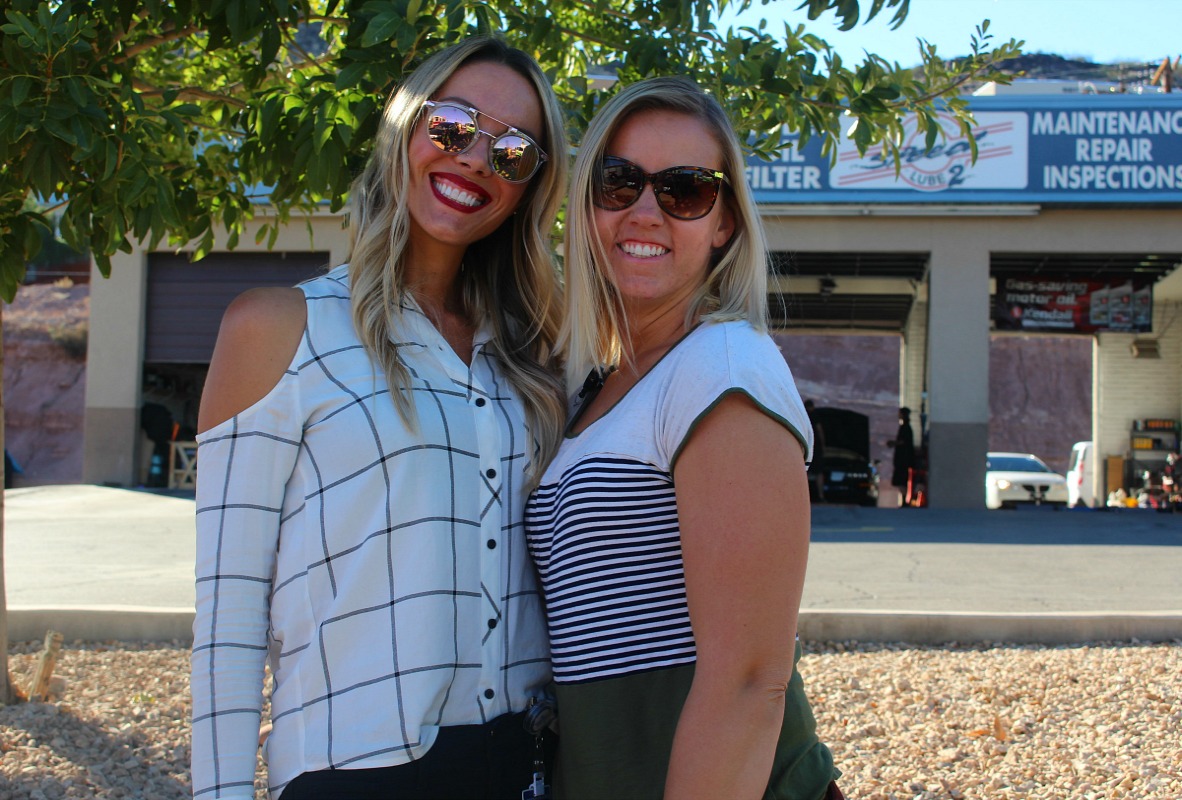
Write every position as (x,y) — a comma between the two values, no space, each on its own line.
(924,627)
(153,624)
(101,623)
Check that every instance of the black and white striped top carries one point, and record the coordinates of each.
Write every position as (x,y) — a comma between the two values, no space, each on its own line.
(602,526)
(383,571)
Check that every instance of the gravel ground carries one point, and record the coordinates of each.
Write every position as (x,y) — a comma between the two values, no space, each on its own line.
(905,722)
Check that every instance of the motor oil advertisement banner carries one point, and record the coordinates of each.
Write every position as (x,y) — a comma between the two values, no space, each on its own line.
(1058,305)
(1060,150)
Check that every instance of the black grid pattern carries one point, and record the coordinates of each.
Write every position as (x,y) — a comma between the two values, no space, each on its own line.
(382,571)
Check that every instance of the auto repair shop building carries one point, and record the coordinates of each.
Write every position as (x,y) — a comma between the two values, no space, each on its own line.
(1069,222)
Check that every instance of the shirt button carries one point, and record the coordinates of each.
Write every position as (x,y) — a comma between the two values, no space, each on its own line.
(490,694)
(492,473)
(492,544)
(479,402)
(492,623)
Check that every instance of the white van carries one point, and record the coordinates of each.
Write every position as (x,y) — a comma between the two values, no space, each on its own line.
(1079,476)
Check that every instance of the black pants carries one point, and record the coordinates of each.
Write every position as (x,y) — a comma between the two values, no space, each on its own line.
(493,761)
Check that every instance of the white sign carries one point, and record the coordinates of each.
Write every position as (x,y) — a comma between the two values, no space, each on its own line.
(1002,158)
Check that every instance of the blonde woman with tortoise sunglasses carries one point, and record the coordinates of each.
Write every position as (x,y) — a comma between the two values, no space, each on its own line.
(671,530)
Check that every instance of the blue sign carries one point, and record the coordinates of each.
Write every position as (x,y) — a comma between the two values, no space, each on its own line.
(1083,149)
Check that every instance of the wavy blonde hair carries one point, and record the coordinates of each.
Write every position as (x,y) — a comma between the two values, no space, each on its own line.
(594,334)
(514,287)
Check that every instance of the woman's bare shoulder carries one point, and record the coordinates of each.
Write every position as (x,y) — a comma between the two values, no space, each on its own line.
(258,338)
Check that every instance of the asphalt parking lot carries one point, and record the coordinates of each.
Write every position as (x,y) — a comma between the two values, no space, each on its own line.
(116,563)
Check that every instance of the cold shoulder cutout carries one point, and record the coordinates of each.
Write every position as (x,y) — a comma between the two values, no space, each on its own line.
(256,343)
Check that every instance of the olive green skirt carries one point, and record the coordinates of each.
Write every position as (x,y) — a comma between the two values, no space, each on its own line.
(616,736)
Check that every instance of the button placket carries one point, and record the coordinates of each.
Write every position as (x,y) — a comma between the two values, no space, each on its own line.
(487,421)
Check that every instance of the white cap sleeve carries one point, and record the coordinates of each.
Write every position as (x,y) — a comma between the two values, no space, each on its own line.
(715,361)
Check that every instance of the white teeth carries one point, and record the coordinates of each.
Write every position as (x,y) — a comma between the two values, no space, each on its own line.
(458,195)
(643,250)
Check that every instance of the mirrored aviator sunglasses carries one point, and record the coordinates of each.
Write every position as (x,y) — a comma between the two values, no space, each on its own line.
(682,192)
(512,155)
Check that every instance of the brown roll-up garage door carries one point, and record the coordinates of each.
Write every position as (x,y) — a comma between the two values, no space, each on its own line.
(186,301)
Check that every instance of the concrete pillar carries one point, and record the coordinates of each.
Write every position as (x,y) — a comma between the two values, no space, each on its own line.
(114,370)
(958,374)
(1100,486)
(912,357)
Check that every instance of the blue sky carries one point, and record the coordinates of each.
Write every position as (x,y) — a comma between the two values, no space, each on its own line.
(1104,31)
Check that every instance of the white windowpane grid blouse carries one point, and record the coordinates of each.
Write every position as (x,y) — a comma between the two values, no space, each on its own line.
(382,572)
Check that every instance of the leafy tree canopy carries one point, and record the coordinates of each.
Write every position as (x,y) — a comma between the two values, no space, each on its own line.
(158,121)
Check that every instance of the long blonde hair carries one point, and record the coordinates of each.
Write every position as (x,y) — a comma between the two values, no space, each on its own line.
(594,333)
(514,287)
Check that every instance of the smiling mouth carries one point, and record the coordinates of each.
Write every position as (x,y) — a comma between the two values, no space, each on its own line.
(637,250)
(456,195)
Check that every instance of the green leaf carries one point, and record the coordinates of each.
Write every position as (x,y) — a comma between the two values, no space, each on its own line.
(44,17)
(12,273)
(267,124)
(21,86)
(269,44)
(142,222)
(205,246)
(103,262)
(863,136)
(68,232)
(83,136)
(166,202)
(484,19)
(933,132)
(57,129)
(351,75)
(32,241)
(23,25)
(323,129)
(141,184)
(381,28)
(74,87)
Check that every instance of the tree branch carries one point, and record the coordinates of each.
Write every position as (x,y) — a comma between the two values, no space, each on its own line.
(585,37)
(321,18)
(961,79)
(590,7)
(180,33)
(186,93)
(156,41)
(309,59)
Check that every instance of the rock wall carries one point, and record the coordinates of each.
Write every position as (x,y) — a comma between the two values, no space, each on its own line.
(860,373)
(1040,388)
(45,381)
(1040,395)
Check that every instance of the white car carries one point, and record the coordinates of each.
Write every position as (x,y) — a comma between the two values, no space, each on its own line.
(1079,476)
(1021,478)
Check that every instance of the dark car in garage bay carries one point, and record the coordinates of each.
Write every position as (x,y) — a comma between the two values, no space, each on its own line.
(849,474)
